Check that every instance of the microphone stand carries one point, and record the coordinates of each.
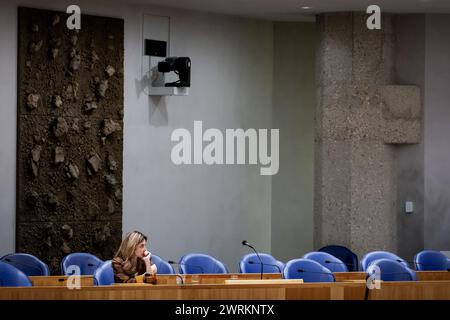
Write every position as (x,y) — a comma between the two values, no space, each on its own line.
(178,274)
(245,243)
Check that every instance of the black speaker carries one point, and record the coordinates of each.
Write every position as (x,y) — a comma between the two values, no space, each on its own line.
(155,48)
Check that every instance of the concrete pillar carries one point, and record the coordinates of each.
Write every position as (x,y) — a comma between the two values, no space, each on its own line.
(361,119)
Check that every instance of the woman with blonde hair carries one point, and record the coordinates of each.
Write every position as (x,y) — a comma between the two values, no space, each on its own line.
(133,259)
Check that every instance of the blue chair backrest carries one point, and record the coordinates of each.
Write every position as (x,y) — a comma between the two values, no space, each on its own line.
(344,254)
(10,276)
(391,270)
(201,263)
(104,274)
(430,260)
(27,263)
(163,266)
(87,263)
(327,260)
(308,270)
(375,255)
(251,264)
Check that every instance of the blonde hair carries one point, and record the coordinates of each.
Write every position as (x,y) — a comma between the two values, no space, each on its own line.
(127,249)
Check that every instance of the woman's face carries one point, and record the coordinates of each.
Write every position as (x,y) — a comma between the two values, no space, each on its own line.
(140,249)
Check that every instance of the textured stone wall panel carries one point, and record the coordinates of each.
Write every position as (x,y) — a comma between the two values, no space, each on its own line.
(373,221)
(334,54)
(331,192)
(70,135)
(358,115)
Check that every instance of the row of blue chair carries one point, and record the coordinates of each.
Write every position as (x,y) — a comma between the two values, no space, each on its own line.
(426,260)
(314,266)
(86,262)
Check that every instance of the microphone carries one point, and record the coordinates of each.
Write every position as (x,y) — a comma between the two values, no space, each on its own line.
(318,272)
(245,243)
(16,263)
(266,264)
(186,264)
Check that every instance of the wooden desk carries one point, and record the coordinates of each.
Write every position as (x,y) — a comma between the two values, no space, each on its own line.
(288,291)
(421,276)
(218,278)
(349,276)
(87,281)
(415,290)
(433,275)
(59,281)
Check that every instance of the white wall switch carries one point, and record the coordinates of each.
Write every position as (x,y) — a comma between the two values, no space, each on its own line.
(409,208)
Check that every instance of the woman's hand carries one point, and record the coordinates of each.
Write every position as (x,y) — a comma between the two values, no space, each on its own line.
(154,269)
(147,256)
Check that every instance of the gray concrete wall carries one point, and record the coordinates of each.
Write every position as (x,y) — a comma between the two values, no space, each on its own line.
(198,207)
(8,114)
(437,132)
(182,208)
(409,160)
(293,111)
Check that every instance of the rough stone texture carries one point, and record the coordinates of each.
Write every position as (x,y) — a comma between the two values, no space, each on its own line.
(402,113)
(401,131)
(373,223)
(54,240)
(401,102)
(32,101)
(334,55)
(59,155)
(332,182)
(360,113)
(60,207)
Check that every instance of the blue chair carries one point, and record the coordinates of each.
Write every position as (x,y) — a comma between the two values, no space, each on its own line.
(104,274)
(200,263)
(391,270)
(251,264)
(10,276)
(27,263)
(375,255)
(448,264)
(308,270)
(85,261)
(163,266)
(430,260)
(344,254)
(327,260)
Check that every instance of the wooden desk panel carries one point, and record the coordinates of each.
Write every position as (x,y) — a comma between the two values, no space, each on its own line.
(88,281)
(419,290)
(350,290)
(349,276)
(421,276)
(59,281)
(433,275)
(139,292)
